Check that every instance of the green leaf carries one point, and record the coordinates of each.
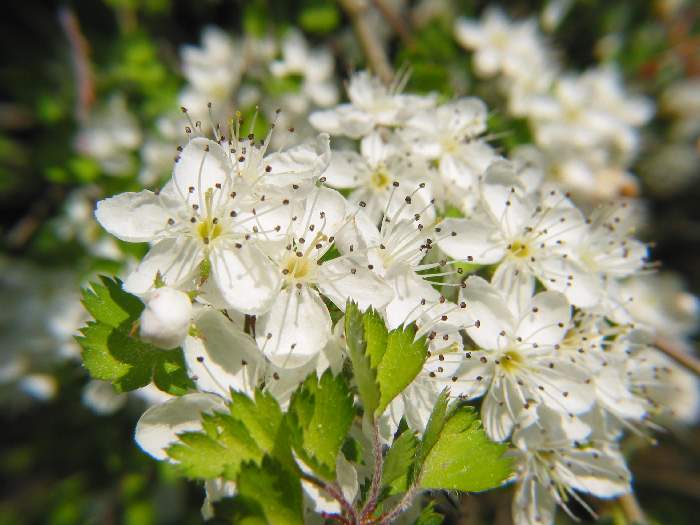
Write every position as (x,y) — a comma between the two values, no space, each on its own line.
(108,303)
(112,352)
(365,374)
(320,414)
(384,363)
(218,451)
(264,421)
(319,16)
(398,461)
(428,516)
(434,427)
(463,457)
(276,491)
(376,335)
(400,364)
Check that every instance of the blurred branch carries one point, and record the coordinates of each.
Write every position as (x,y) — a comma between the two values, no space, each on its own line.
(396,21)
(676,353)
(371,46)
(80,56)
(24,230)
(633,511)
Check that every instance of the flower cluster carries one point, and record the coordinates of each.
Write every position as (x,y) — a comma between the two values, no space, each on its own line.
(527,303)
(585,126)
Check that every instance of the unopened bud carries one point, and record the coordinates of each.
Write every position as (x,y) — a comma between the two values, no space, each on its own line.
(166,319)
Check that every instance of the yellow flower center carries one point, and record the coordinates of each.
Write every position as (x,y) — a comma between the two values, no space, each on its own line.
(208,230)
(511,360)
(520,249)
(380,179)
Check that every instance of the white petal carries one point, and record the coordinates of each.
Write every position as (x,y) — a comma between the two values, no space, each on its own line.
(409,291)
(158,427)
(517,284)
(475,241)
(347,169)
(223,357)
(598,471)
(325,210)
(546,320)
(489,313)
(359,231)
(134,217)
(339,283)
(300,164)
(295,329)
(533,504)
(498,423)
(374,149)
(177,260)
(203,164)
(343,120)
(246,278)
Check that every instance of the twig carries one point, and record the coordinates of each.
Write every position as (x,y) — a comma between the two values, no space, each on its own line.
(22,232)
(80,56)
(676,353)
(633,511)
(376,485)
(371,46)
(397,23)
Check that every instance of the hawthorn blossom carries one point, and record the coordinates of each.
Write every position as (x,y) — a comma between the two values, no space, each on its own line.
(371,173)
(284,331)
(372,104)
(552,470)
(315,67)
(516,363)
(529,235)
(446,136)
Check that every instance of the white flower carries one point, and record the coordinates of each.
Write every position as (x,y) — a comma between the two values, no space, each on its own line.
(517,365)
(314,66)
(371,173)
(166,319)
(284,332)
(446,136)
(531,236)
(213,71)
(219,208)
(371,104)
(110,136)
(551,472)
(502,46)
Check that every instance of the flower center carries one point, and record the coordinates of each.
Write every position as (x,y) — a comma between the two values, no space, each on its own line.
(296,268)
(380,179)
(208,230)
(520,249)
(511,360)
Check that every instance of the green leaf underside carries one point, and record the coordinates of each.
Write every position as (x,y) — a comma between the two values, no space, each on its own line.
(110,351)
(320,414)
(276,491)
(397,462)
(463,457)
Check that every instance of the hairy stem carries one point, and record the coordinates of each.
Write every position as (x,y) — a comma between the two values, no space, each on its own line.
(401,506)
(334,491)
(377,476)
